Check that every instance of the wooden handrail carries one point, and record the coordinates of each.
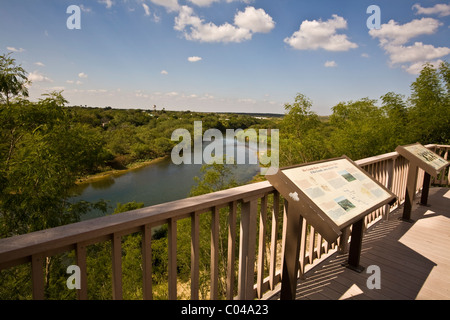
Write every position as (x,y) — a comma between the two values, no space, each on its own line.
(18,247)
(390,169)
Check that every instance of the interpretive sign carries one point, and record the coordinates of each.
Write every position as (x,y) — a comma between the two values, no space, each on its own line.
(419,157)
(331,194)
(424,158)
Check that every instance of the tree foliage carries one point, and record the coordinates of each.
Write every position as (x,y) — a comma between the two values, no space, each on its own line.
(13,79)
(364,128)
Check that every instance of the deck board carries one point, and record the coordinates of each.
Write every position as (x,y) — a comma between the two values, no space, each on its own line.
(414,259)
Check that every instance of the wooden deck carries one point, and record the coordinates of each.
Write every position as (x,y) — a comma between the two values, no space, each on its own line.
(414,259)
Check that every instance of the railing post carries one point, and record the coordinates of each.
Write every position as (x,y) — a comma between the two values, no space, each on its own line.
(389,181)
(117,266)
(273,239)
(261,246)
(81,263)
(147,262)
(231,250)
(37,276)
(214,254)
(247,249)
(195,254)
(172,243)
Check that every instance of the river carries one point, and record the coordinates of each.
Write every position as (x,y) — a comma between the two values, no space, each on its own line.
(159,182)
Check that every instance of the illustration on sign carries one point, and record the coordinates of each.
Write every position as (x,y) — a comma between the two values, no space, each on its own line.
(426,155)
(339,188)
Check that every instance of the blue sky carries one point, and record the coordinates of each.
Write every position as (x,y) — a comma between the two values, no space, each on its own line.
(223,55)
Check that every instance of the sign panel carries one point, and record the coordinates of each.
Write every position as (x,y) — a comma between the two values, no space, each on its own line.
(331,194)
(423,157)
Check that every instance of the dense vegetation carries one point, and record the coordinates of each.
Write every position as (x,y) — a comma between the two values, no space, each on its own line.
(369,127)
(46,146)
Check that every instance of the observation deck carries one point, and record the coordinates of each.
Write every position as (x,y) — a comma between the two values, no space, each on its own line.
(246,239)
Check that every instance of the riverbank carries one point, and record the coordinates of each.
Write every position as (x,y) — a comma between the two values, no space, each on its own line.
(117,172)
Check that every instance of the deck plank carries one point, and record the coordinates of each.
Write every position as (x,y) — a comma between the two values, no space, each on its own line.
(413,258)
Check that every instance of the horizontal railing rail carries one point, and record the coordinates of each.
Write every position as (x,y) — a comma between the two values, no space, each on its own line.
(246,267)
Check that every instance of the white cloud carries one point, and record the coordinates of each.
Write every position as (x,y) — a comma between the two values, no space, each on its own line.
(207,32)
(194,59)
(255,20)
(70,81)
(365,55)
(170,5)
(441,9)
(13,49)
(108,3)
(82,75)
(416,67)
(416,52)
(203,3)
(394,37)
(394,33)
(330,64)
(146,9)
(40,64)
(164,72)
(37,77)
(314,35)
(196,29)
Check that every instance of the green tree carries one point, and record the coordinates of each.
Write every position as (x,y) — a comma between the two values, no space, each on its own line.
(301,137)
(395,120)
(13,79)
(357,129)
(429,114)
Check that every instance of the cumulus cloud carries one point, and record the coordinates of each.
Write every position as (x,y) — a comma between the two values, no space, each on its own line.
(246,23)
(415,68)
(194,59)
(164,72)
(37,77)
(396,34)
(440,9)
(416,52)
(40,64)
(82,75)
(314,35)
(255,20)
(394,40)
(330,64)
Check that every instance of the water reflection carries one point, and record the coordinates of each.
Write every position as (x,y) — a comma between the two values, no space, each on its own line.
(156,183)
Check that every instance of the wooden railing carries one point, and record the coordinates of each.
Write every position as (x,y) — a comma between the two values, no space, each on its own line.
(257,244)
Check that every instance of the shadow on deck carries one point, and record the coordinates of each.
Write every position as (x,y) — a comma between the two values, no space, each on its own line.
(413,259)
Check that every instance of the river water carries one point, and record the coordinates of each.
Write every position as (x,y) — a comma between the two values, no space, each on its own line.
(159,182)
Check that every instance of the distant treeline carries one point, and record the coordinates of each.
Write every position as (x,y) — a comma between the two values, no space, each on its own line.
(130,135)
